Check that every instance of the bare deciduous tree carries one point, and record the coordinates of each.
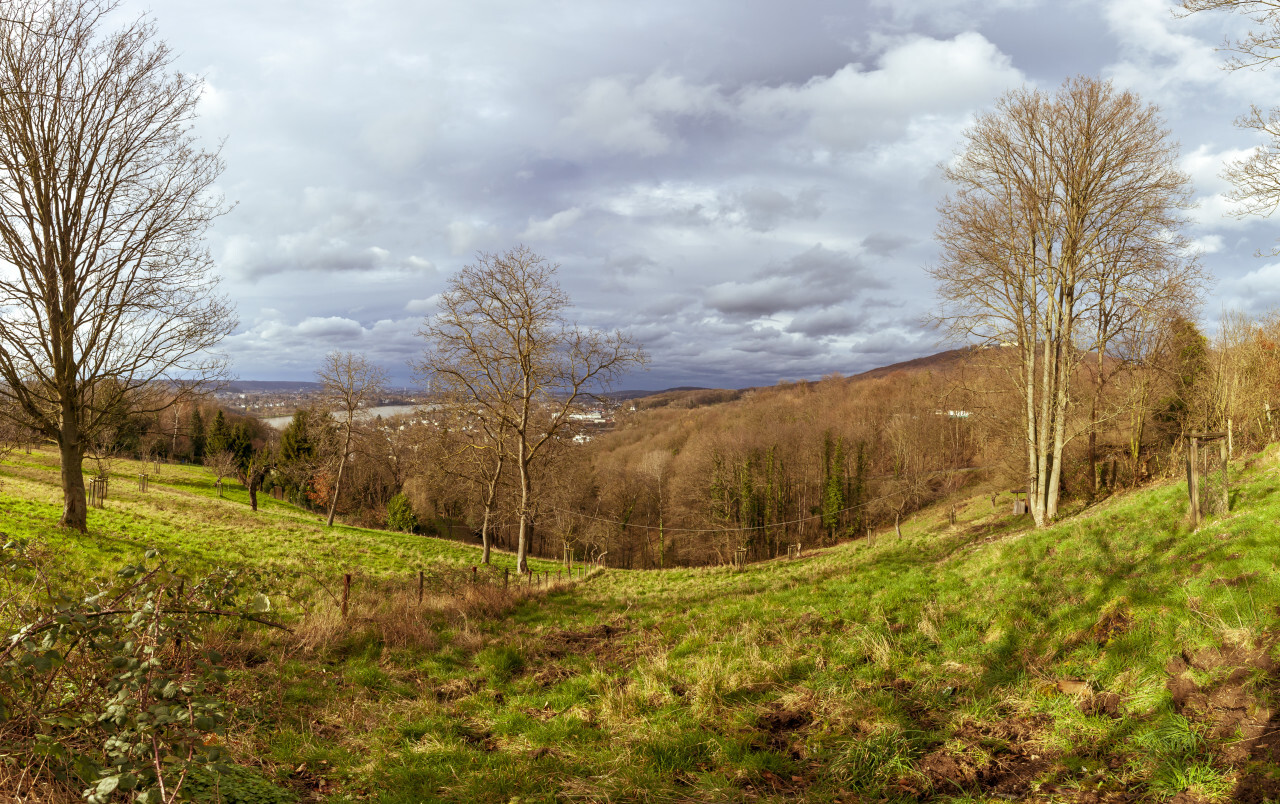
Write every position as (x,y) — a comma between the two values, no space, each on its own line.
(105,283)
(222,464)
(501,341)
(1068,209)
(350,382)
(655,468)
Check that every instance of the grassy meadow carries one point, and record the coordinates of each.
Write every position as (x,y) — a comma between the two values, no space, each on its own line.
(1117,656)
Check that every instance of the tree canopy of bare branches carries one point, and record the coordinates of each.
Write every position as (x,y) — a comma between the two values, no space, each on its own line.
(1256,177)
(350,382)
(1063,230)
(105,284)
(501,344)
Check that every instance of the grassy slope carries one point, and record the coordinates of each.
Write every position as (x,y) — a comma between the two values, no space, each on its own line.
(182,515)
(970,661)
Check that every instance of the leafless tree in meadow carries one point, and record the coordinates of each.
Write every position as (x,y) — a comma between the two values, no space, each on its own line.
(1065,220)
(502,343)
(105,195)
(222,464)
(350,382)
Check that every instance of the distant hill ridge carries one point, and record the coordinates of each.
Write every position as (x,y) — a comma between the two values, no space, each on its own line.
(940,361)
(695,396)
(936,362)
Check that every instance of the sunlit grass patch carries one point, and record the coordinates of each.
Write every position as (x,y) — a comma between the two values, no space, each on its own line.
(888,669)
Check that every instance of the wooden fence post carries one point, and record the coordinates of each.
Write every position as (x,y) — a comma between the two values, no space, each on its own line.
(1224,447)
(506,577)
(420,574)
(346,592)
(1193,481)
(473,574)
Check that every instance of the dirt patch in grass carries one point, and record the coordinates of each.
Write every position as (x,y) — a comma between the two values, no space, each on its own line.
(601,643)
(782,731)
(551,675)
(559,644)
(1236,581)
(1106,704)
(772,784)
(1260,781)
(1002,759)
(780,728)
(1249,731)
(1111,625)
(1229,706)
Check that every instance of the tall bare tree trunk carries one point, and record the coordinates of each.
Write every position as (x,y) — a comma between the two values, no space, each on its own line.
(1062,399)
(1040,493)
(662,548)
(337,482)
(1093,416)
(522,544)
(1029,398)
(75,510)
(491,494)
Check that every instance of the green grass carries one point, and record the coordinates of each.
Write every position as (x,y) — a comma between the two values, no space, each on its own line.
(892,669)
(182,515)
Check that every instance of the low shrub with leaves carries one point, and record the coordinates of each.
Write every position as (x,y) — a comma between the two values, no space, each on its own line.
(112,694)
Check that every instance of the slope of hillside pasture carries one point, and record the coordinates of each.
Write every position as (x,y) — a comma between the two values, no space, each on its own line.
(182,515)
(1115,657)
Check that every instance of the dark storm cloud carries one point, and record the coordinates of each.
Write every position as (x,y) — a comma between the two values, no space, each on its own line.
(818,277)
(678,160)
(821,323)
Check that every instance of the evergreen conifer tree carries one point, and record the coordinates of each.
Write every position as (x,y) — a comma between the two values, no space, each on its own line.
(219,435)
(197,435)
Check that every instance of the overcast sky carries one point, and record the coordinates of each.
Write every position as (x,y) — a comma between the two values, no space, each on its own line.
(748,187)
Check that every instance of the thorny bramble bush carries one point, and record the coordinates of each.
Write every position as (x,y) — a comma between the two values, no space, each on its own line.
(113,694)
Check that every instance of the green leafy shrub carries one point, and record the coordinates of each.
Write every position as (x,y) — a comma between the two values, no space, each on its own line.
(400,515)
(114,694)
(234,785)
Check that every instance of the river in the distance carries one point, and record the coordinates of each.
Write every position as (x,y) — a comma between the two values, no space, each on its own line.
(385,411)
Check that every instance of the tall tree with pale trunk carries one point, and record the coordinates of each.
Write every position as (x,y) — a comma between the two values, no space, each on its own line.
(1065,222)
